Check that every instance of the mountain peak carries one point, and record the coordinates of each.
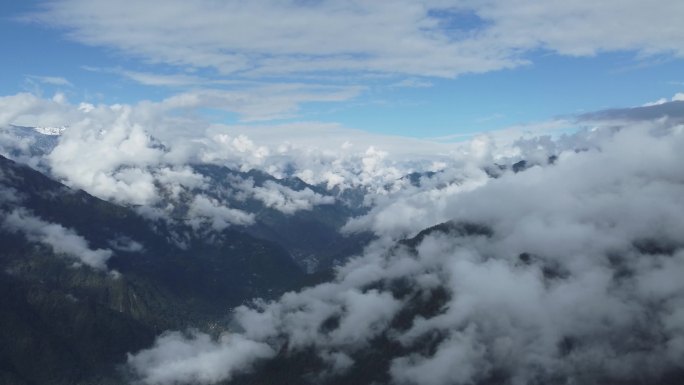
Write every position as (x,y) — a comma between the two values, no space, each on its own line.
(52,131)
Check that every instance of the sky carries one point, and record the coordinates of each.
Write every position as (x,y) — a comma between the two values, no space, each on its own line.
(429,69)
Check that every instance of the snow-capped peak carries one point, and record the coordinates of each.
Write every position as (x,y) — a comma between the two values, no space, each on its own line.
(50,130)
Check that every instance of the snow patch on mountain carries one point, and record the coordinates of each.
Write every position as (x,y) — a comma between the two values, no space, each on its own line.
(52,131)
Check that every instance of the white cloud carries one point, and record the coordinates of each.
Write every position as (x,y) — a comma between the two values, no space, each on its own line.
(370,311)
(457,360)
(261,102)
(62,240)
(285,199)
(106,152)
(204,208)
(656,103)
(675,98)
(196,358)
(271,37)
(26,109)
(427,38)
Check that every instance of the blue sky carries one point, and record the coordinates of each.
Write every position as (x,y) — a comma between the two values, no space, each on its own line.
(442,68)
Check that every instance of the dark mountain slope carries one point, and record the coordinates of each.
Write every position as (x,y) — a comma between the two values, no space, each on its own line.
(65,324)
(311,236)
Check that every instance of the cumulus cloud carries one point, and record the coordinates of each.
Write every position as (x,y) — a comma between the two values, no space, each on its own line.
(26,109)
(564,273)
(124,152)
(107,155)
(61,239)
(196,358)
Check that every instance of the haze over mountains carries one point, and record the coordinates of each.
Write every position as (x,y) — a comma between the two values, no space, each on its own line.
(545,259)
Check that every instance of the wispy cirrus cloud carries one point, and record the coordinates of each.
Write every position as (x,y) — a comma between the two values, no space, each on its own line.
(251,100)
(152,79)
(50,80)
(261,102)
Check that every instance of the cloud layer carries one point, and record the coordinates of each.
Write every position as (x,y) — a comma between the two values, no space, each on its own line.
(563,273)
(426,38)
